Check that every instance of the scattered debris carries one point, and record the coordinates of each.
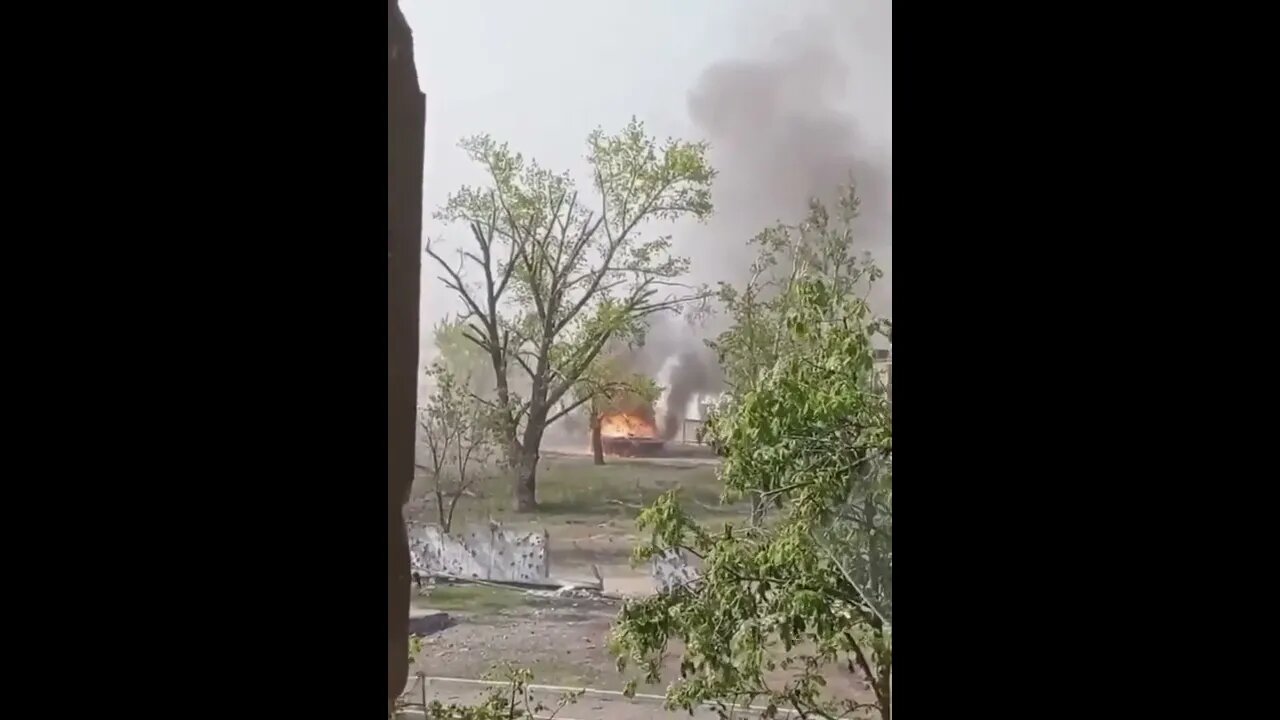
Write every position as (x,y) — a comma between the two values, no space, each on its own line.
(571,591)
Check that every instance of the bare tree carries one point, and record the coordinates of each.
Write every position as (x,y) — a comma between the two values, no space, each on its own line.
(558,281)
(459,438)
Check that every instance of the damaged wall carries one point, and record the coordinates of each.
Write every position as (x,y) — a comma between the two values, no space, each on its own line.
(481,552)
(671,570)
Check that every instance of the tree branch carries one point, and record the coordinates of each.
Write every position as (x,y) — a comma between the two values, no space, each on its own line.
(878,620)
(478,338)
(578,368)
(456,284)
(521,362)
(578,403)
(614,245)
(520,239)
(587,232)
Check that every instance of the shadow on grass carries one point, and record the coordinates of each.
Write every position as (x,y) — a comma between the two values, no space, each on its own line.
(620,489)
(572,489)
(478,599)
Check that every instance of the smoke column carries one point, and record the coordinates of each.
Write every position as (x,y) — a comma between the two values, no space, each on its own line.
(791,115)
(788,120)
(794,117)
(674,355)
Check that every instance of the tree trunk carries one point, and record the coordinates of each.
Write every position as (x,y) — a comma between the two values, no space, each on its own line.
(526,459)
(526,481)
(597,442)
(884,697)
(757,510)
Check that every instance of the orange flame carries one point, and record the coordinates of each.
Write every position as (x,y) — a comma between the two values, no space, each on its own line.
(626,425)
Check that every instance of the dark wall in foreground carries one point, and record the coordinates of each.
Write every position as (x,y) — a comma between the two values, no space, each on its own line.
(406,117)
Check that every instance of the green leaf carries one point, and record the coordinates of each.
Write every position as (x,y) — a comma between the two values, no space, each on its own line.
(806,428)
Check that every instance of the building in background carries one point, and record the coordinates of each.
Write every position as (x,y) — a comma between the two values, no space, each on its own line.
(884,369)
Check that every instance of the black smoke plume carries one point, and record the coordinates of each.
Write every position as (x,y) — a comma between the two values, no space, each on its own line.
(785,126)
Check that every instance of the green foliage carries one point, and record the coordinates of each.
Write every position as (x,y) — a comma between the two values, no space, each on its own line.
(551,278)
(818,247)
(810,434)
(504,703)
(462,358)
(613,387)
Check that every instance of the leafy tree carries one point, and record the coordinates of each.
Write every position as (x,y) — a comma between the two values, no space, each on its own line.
(458,431)
(557,282)
(463,358)
(809,433)
(821,246)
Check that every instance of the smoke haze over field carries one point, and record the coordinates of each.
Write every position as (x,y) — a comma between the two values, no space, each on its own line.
(792,97)
(784,125)
(795,117)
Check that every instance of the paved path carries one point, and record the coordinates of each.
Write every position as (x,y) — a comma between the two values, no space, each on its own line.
(591,706)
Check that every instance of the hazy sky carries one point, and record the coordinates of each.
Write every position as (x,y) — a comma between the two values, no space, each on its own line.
(542,74)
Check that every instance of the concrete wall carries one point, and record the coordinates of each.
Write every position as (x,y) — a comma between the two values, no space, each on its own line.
(671,570)
(489,552)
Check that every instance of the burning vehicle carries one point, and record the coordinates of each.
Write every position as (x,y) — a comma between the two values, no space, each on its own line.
(688,383)
(630,434)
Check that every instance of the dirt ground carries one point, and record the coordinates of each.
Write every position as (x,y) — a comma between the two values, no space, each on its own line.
(589,514)
(562,641)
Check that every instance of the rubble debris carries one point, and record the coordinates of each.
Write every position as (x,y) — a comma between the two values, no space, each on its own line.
(572,591)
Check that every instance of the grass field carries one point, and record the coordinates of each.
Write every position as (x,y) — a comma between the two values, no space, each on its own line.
(475,599)
(572,487)
(587,510)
